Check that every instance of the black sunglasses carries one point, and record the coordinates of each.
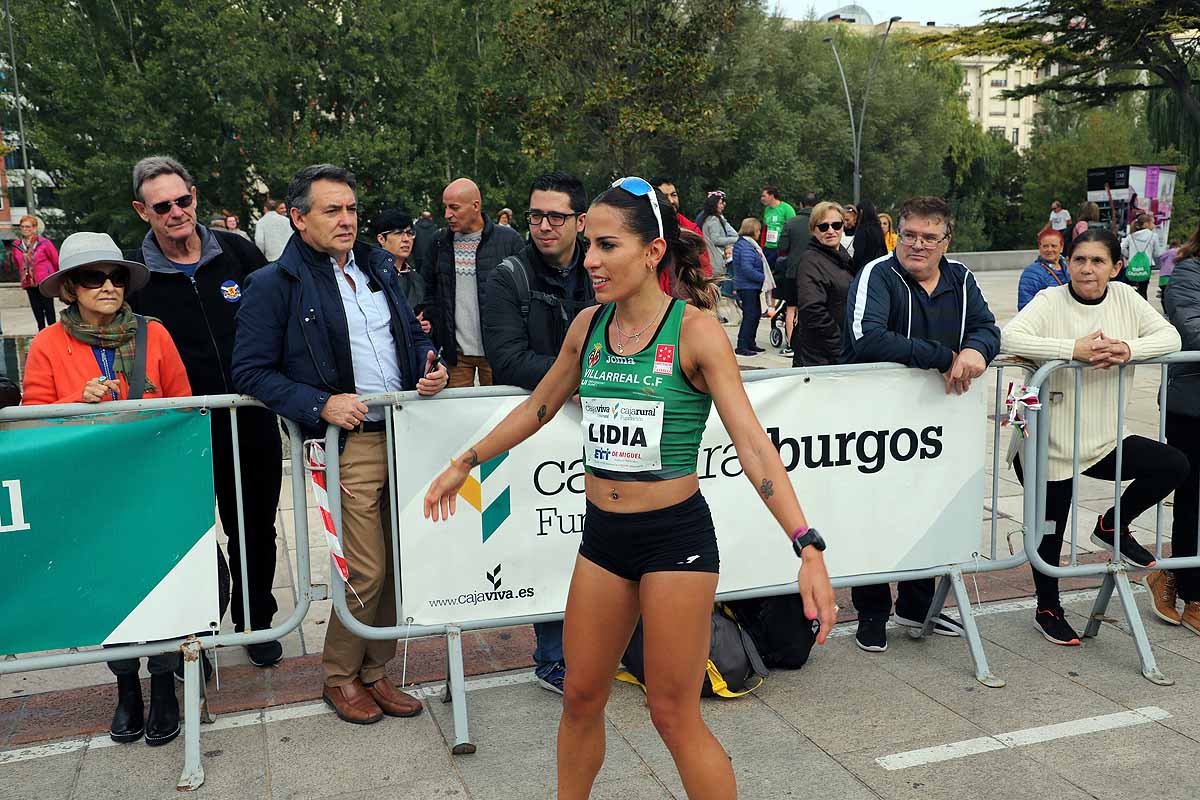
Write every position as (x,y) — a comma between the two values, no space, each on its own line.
(95,278)
(162,208)
(824,226)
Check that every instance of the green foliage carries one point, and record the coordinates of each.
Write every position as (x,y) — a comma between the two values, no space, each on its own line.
(714,93)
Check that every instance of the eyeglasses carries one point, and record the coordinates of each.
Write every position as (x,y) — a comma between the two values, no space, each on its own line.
(928,239)
(555,218)
(184,201)
(638,187)
(409,232)
(96,278)
(824,226)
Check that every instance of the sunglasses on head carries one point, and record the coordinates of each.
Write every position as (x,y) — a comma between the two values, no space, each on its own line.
(183,201)
(639,187)
(95,278)
(824,226)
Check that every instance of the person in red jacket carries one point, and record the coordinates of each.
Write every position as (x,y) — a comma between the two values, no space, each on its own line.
(35,258)
(89,356)
(667,187)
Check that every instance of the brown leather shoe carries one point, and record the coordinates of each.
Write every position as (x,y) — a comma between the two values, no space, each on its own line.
(394,702)
(1161,584)
(352,703)
(1191,616)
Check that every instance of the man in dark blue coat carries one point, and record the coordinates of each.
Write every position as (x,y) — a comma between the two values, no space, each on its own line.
(322,325)
(918,308)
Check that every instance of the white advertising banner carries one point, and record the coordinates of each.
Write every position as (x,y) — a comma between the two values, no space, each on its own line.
(889,468)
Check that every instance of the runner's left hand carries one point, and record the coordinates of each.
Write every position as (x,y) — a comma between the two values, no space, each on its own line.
(817,592)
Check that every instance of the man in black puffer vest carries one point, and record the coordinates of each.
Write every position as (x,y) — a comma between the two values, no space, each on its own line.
(196,281)
(532,299)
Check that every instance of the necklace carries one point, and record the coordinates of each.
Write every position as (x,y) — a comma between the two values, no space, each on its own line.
(630,338)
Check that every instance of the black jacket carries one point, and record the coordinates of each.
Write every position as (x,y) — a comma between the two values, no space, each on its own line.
(823,277)
(10,395)
(199,312)
(1183,310)
(793,241)
(293,344)
(425,231)
(891,318)
(498,243)
(521,352)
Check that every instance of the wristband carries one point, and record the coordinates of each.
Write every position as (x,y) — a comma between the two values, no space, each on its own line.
(796,534)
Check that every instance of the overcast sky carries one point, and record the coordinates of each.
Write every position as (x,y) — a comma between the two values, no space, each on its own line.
(960,12)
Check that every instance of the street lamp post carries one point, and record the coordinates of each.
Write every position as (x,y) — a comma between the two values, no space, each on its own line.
(856,131)
(30,197)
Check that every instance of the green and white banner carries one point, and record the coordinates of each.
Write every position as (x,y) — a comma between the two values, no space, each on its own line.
(107,530)
(886,465)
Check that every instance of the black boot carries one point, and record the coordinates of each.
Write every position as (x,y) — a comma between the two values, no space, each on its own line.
(162,724)
(128,720)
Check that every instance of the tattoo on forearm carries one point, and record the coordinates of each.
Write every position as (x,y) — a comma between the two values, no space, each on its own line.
(472,458)
(767,489)
(541,415)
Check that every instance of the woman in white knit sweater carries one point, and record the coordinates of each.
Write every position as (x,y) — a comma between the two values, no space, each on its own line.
(1104,324)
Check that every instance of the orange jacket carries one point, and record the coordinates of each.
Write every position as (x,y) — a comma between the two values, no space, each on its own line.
(59,366)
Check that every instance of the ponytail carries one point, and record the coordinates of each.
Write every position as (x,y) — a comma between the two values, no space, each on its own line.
(684,260)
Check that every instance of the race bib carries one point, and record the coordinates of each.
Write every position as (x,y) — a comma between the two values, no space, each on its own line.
(772,236)
(622,435)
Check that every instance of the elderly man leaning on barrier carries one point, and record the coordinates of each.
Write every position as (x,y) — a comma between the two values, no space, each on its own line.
(1182,304)
(322,325)
(918,308)
(1104,324)
(196,281)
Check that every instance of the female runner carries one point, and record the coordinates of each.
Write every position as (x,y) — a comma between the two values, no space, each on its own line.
(647,368)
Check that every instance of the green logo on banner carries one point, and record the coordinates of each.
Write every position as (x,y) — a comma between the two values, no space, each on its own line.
(499,509)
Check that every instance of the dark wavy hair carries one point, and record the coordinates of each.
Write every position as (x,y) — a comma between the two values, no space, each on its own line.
(1106,238)
(683,246)
(710,209)
(869,242)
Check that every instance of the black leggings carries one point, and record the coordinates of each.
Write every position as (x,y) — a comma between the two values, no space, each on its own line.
(43,307)
(1156,469)
(1184,433)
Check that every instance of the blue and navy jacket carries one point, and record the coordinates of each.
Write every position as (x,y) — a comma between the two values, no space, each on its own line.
(1040,275)
(292,349)
(747,266)
(889,317)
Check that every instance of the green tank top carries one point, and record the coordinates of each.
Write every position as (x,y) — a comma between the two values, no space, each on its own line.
(642,418)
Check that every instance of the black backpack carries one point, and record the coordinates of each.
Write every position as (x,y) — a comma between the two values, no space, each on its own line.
(778,625)
(733,669)
(516,266)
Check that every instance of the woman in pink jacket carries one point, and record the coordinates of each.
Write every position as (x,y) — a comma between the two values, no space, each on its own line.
(35,258)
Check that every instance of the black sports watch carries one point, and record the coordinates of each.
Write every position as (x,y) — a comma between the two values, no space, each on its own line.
(811,536)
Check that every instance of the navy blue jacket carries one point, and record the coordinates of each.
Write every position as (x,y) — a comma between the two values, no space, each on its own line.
(747,266)
(292,349)
(890,317)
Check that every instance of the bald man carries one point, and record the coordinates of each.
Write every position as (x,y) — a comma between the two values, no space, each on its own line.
(461,261)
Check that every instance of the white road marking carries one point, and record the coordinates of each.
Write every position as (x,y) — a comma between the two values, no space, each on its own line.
(1045,733)
(250,718)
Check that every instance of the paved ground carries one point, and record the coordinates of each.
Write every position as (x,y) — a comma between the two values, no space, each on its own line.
(846,726)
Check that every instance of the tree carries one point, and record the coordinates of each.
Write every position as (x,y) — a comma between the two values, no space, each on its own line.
(1100,48)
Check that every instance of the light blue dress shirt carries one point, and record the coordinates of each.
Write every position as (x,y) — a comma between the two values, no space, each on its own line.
(372,346)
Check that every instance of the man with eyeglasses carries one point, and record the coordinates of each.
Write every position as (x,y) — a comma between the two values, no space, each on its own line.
(196,280)
(462,260)
(393,230)
(532,299)
(916,307)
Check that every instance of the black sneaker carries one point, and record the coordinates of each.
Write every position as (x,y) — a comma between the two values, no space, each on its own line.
(205,664)
(265,654)
(786,352)
(872,634)
(1130,549)
(1051,623)
(942,626)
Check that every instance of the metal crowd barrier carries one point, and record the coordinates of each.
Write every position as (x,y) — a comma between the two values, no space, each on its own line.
(194,706)
(950,576)
(1114,572)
